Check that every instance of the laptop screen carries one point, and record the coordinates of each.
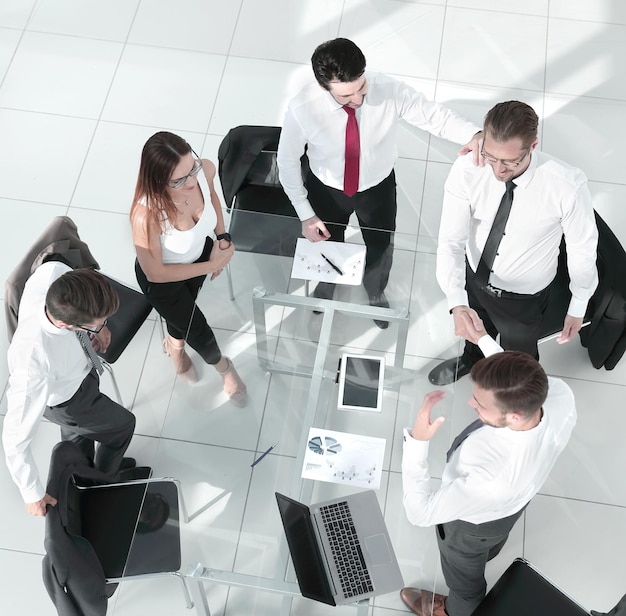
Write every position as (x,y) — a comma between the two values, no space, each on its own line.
(304,549)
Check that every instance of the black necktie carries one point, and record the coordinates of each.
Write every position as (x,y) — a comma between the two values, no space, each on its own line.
(85,342)
(462,436)
(495,236)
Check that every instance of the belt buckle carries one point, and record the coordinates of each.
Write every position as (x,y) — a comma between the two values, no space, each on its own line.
(493,291)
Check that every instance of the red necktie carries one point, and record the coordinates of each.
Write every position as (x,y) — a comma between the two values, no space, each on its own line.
(353,152)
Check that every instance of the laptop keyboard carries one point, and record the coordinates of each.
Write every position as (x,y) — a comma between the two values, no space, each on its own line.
(353,575)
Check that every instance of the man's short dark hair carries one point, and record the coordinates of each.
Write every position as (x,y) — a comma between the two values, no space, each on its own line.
(517,381)
(512,120)
(337,60)
(81,296)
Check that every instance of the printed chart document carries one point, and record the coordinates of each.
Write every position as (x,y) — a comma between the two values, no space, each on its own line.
(340,457)
(328,261)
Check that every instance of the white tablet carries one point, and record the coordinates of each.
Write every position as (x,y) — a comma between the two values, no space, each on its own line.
(361,382)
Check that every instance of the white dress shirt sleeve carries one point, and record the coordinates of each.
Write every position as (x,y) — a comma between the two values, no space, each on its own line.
(453,234)
(581,239)
(432,117)
(291,147)
(26,402)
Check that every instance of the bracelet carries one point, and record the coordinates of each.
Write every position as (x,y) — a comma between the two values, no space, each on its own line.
(224,236)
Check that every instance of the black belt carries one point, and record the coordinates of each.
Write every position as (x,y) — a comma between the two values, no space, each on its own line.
(495,292)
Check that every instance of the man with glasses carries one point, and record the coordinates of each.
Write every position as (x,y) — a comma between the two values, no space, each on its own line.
(498,253)
(348,124)
(53,373)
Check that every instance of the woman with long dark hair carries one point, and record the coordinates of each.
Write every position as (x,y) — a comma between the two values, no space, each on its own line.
(174,216)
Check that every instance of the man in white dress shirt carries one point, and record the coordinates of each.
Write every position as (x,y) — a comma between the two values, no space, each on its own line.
(317,121)
(493,469)
(550,200)
(52,376)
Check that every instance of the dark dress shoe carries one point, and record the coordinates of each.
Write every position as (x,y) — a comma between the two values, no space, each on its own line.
(380,301)
(448,371)
(323,290)
(424,602)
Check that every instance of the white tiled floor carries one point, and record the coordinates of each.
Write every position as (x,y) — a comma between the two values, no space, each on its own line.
(83,83)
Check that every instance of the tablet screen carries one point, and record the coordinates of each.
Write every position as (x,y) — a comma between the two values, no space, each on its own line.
(361,382)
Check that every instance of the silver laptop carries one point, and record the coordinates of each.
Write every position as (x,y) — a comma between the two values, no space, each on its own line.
(340,548)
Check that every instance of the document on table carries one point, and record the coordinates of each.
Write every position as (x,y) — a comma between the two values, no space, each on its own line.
(328,261)
(340,457)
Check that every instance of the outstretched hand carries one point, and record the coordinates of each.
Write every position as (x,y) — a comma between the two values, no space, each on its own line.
(424,429)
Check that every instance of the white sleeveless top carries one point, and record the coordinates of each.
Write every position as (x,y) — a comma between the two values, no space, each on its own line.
(186,246)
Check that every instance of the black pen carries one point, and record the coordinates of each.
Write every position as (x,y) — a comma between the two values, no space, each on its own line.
(263,455)
(331,263)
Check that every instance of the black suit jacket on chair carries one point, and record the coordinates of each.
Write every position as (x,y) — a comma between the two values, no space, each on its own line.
(605,337)
(237,153)
(72,573)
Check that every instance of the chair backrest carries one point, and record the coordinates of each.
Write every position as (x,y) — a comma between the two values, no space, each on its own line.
(60,242)
(262,218)
(125,323)
(133,526)
(522,591)
(59,238)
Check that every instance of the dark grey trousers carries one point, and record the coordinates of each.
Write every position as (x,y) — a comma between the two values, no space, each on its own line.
(465,549)
(89,417)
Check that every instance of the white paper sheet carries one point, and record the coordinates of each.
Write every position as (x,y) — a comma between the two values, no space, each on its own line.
(309,264)
(340,457)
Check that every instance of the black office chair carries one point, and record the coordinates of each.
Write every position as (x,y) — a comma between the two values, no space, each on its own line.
(262,219)
(100,534)
(60,242)
(133,528)
(523,591)
(124,324)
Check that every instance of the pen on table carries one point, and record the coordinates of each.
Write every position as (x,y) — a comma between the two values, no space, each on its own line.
(331,263)
(263,455)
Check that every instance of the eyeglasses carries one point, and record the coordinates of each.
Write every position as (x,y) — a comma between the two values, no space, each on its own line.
(197,165)
(93,331)
(509,164)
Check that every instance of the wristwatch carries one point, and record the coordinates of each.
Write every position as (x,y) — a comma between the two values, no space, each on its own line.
(224,236)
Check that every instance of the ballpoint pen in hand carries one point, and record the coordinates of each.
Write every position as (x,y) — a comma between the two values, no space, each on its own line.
(263,455)
(331,263)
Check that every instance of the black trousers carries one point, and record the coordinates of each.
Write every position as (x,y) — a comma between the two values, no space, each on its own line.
(176,303)
(517,319)
(465,549)
(89,417)
(375,209)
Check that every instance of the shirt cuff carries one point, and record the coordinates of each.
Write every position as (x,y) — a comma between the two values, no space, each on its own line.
(414,448)
(457,298)
(577,307)
(489,346)
(304,210)
(34,494)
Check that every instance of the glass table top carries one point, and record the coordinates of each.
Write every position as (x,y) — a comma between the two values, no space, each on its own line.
(288,357)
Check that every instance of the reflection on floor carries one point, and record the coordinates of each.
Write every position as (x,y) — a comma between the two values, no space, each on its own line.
(84,83)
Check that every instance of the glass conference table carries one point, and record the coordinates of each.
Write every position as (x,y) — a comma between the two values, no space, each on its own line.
(233,551)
